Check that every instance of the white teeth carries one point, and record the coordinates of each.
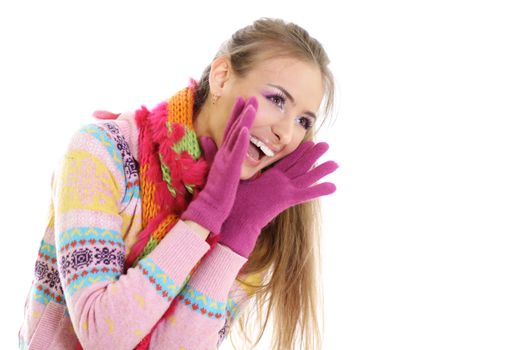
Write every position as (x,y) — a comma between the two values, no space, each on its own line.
(262,146)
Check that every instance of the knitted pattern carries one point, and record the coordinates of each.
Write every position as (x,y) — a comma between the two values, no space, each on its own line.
(172,173)
(83,292)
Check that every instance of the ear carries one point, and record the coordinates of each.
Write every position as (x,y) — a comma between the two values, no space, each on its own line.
(220,73)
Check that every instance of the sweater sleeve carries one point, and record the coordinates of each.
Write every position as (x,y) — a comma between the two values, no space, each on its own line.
(208,305)
(110,309)
(239,297)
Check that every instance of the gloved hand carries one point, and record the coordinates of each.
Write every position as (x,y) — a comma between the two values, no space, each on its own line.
(209,148)
(286,184)
(213,204)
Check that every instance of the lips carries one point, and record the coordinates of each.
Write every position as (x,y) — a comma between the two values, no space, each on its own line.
(266,150)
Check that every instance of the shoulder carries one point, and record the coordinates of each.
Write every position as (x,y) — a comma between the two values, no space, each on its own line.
(114,141)
(96,142)
(99,150)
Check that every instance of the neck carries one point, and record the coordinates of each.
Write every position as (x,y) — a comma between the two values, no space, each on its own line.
(201,122)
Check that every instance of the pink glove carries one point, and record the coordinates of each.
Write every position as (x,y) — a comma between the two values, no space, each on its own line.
(209,148)
(286,184)
(213,204)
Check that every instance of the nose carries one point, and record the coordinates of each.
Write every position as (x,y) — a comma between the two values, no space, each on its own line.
(283,129)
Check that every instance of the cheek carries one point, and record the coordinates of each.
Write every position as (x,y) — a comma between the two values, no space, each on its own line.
(264,115)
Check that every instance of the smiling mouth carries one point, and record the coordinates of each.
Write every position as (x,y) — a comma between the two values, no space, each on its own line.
(260,147)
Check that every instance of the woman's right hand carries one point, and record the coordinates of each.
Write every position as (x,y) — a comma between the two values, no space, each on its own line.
(213,204)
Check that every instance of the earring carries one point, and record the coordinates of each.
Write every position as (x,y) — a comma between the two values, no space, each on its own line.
(214,98)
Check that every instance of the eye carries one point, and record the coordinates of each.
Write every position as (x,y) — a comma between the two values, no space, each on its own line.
(305,122)
(277,99)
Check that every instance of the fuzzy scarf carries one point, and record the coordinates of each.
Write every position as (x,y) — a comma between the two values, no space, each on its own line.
(173,171)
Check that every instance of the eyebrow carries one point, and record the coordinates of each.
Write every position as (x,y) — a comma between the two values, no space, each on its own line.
(311,114)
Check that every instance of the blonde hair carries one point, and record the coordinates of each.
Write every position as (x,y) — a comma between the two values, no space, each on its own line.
(287,251)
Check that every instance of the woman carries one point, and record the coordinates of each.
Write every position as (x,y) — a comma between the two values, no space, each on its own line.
(166,223)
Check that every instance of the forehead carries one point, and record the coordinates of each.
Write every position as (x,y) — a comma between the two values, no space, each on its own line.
(303,80)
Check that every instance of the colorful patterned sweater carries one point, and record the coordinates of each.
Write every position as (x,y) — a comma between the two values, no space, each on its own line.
(80,290)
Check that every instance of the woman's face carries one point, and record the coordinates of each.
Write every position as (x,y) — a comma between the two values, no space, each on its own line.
(289,93)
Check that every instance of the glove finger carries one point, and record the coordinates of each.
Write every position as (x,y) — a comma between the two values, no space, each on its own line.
(288,161)
(307,160)
(209,148)
(246,120)
(240,148)
(247,115)
(313,192)
(315,174)
(239,122)
(234,116)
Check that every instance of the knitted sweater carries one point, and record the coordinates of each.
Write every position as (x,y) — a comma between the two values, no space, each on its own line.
(80,290)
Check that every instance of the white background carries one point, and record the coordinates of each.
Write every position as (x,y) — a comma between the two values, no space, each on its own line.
(423,245)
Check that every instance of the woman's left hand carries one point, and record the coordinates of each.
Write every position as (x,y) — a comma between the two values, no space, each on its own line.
(258,201)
